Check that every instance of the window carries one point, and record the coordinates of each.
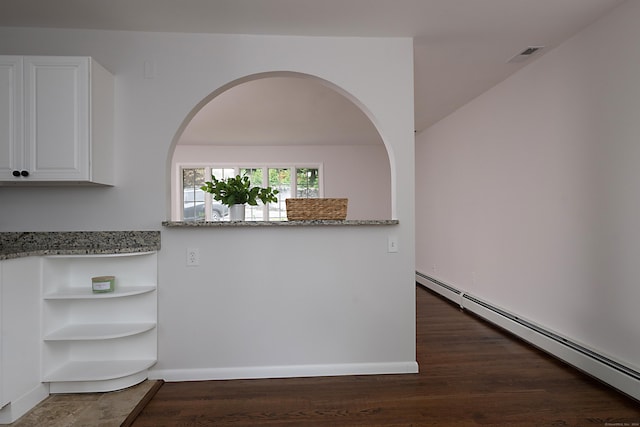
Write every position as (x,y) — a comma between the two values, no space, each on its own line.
(193,196)
(200,206)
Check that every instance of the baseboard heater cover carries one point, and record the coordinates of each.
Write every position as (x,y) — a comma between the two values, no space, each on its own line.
(616,374)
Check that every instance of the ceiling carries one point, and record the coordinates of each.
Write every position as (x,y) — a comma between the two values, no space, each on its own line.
(461,46)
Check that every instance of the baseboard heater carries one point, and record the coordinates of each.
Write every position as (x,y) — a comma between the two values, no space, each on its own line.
(599,366)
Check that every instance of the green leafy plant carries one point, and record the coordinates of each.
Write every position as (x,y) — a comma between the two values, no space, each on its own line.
(238,190)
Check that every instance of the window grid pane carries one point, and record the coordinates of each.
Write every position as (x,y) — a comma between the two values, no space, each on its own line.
(307,183)
(254,213)
(279,179)
(223,173)
(219,211)
(193,196)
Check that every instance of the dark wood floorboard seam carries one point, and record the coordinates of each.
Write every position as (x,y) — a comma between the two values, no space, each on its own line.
(128,422)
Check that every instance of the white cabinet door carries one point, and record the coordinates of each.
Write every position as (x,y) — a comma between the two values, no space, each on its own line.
(56,95)
(11,116)
(20,320)
(3,399)
(56,120)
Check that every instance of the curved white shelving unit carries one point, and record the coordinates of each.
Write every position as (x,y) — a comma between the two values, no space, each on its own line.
(95,342)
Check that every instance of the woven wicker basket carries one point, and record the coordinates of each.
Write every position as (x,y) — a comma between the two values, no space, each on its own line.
(314,209)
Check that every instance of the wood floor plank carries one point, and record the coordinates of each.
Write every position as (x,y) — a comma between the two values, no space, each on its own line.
(471,374)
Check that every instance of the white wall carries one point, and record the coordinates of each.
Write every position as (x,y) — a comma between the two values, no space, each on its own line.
(527,197)
(332,300)
(367,186)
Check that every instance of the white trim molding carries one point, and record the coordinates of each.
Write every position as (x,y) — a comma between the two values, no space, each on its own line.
(17,408)
(170,375)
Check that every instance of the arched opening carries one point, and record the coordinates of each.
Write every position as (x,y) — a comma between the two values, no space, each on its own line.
(269,123)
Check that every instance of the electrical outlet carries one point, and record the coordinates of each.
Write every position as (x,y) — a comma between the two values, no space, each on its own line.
(392,244)
(193,257)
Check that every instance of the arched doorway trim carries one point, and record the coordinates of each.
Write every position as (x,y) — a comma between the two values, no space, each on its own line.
(347,95)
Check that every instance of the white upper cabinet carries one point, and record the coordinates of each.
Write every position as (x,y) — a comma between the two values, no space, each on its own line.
(56,121)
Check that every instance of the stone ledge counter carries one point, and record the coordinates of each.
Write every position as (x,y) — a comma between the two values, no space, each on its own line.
(360,222)
(36,243)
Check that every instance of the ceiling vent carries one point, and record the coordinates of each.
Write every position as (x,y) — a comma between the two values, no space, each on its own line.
(525,54)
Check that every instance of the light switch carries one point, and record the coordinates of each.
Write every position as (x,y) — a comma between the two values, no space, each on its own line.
(392,244)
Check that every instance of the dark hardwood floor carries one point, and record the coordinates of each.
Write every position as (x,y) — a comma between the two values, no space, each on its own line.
(471,374)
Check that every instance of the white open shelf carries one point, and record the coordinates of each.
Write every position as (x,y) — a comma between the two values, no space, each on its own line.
(87,293)
(98,331)
(97,370)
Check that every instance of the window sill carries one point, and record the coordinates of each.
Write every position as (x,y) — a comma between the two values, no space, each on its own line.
(349,222)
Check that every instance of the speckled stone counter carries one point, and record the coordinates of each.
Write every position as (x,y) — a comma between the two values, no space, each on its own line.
(359,222)
(21,244)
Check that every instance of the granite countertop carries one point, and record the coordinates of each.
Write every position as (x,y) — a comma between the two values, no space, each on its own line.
(21,244)
(280,223)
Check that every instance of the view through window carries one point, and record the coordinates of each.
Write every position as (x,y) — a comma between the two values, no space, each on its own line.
(290,181)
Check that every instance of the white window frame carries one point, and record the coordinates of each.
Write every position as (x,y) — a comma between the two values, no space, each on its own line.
(178,199)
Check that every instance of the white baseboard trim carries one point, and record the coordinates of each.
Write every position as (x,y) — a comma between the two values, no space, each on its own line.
(170,375)
(619,375)
(23,404)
